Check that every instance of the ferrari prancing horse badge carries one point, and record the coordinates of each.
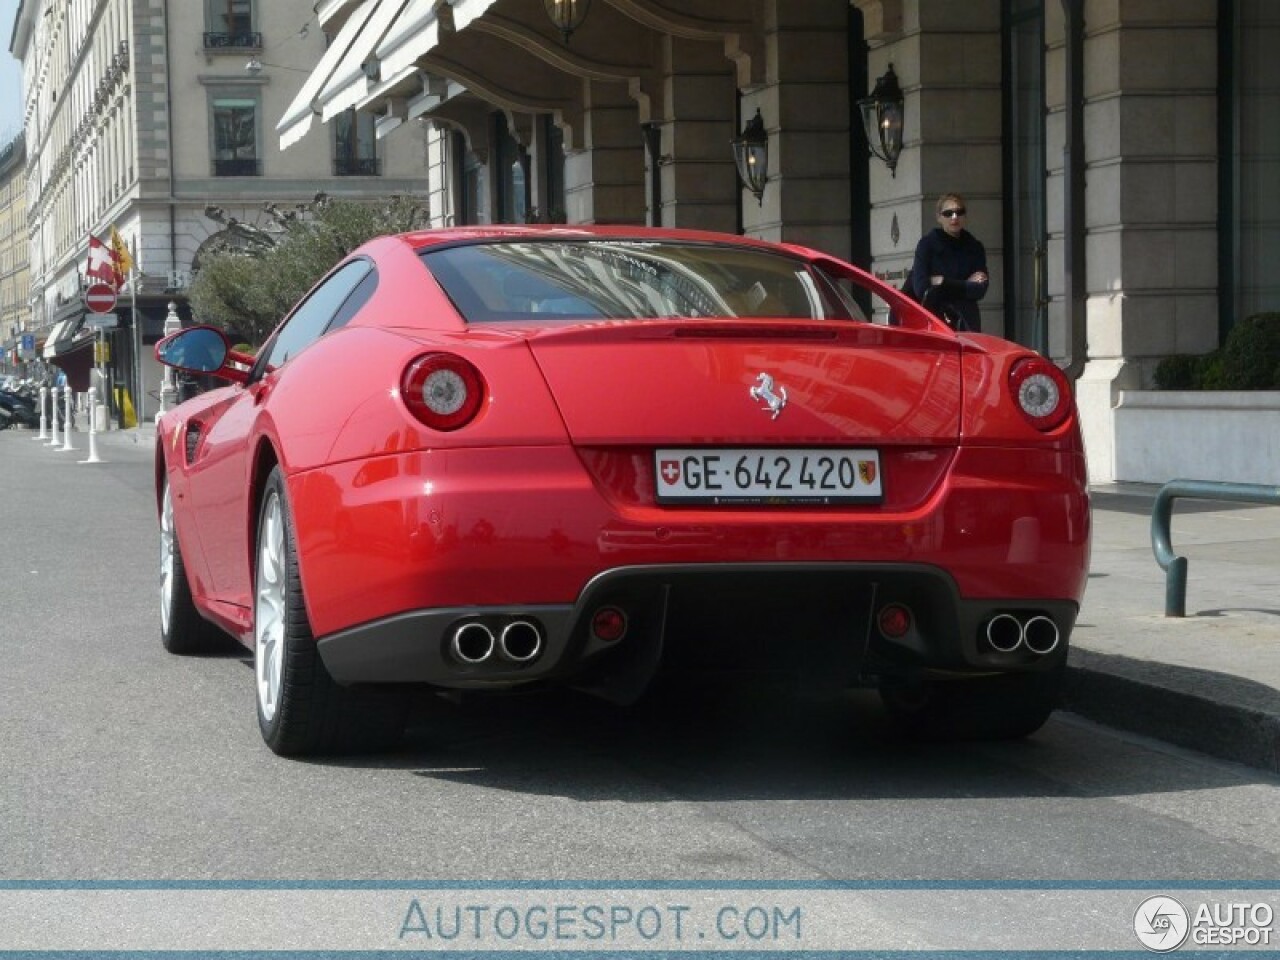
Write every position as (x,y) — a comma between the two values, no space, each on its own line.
(763,391)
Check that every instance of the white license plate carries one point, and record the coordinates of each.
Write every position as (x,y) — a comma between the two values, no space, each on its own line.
(767,475)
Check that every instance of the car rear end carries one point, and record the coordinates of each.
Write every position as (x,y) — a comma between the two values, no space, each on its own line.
(825,495)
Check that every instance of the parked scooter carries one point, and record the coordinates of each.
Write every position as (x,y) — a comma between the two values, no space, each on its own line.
(19,408)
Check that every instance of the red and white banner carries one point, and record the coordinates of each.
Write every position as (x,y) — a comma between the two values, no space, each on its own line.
(101,267)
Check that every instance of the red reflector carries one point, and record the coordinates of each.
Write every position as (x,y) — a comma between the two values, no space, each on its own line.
(608,624)
(895,621)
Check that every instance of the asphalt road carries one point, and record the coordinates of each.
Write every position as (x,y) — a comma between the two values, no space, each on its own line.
(122,762)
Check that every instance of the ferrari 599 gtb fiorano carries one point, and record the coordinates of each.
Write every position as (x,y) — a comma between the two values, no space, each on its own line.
(488,458)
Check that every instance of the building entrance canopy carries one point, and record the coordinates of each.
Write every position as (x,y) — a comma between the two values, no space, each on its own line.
(375,58)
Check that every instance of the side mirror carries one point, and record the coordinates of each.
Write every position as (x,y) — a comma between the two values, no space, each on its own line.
(202,350)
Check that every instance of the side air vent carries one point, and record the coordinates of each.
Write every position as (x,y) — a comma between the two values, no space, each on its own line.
(194,430)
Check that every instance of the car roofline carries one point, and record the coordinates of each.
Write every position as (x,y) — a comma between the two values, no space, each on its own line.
(423,240)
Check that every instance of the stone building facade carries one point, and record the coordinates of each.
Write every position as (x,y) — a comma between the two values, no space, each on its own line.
(1118,157)
(146,116)
(13,252)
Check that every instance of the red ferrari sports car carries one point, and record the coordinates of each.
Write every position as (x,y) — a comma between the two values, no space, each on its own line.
(479,459)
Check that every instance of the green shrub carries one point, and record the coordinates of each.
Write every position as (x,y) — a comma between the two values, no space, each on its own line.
(249,288)
(1211,375)
(1249,360)
(1252,353)
(1180,372)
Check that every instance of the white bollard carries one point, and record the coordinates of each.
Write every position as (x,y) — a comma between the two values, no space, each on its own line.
(93,426)
(44,424)
(53,418)
(66,419)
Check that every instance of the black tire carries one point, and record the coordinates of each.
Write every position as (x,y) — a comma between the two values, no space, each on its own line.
(301,709)
(182,630)
(1004,706)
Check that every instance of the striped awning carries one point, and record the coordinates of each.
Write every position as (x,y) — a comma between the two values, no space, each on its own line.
(66,337)
(374,58)
(360,71)
(296,121)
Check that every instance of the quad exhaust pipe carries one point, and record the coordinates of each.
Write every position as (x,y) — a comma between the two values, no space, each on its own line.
(472,643)
(519,641)
(1040,634)
(1006,633)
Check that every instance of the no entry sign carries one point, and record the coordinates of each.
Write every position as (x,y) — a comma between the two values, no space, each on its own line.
(100,298)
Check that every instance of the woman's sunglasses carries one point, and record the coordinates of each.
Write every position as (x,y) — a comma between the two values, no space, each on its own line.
(953,213)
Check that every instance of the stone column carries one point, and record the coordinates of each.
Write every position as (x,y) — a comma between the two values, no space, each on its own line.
(604,181)
(805,106)
(699,180)
(947,58)
(1151,202)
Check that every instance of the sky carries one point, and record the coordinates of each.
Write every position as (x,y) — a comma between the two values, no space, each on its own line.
(10,77)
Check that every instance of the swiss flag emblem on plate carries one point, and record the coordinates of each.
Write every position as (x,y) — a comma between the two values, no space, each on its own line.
(670,471)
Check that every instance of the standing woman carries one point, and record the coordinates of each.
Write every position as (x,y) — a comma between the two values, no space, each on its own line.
(949,273)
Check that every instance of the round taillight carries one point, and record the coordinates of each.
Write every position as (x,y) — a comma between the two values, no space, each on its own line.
(442,390)
(1041,391)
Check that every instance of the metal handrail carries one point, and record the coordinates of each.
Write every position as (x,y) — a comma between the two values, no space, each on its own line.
(1175,567)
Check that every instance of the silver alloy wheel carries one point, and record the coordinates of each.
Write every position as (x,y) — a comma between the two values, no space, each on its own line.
(269,608)
(168,546)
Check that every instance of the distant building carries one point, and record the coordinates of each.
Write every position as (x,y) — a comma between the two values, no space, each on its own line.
(142,114)
(14,281)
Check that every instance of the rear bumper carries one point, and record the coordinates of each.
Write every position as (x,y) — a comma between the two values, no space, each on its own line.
(815,619)
(404,535)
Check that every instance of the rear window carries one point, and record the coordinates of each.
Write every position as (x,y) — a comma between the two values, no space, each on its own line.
(562,281)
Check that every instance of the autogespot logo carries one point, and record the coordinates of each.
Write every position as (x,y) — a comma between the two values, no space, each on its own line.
(1161,923)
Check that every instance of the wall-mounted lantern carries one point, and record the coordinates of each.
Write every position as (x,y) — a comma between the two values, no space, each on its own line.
(567,15)
(751,154)
(882,118)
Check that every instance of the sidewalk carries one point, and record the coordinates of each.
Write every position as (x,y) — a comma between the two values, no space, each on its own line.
(1209,681)
(143,435)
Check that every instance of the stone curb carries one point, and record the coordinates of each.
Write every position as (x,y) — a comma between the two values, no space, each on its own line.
(1226,718)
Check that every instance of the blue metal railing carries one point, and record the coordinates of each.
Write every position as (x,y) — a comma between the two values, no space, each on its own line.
(1174,566)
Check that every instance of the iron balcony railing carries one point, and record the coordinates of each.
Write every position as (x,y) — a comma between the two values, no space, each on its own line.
(357,167)
(237,39)
(237,167)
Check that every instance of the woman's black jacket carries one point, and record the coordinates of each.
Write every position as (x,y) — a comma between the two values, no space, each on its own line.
(954,259)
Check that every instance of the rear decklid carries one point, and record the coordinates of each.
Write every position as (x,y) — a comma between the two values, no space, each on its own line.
(757,382)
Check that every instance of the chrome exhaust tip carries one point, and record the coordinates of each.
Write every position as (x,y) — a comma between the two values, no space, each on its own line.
(520,641)
(1041,635)
(472,643)
(1004,633)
